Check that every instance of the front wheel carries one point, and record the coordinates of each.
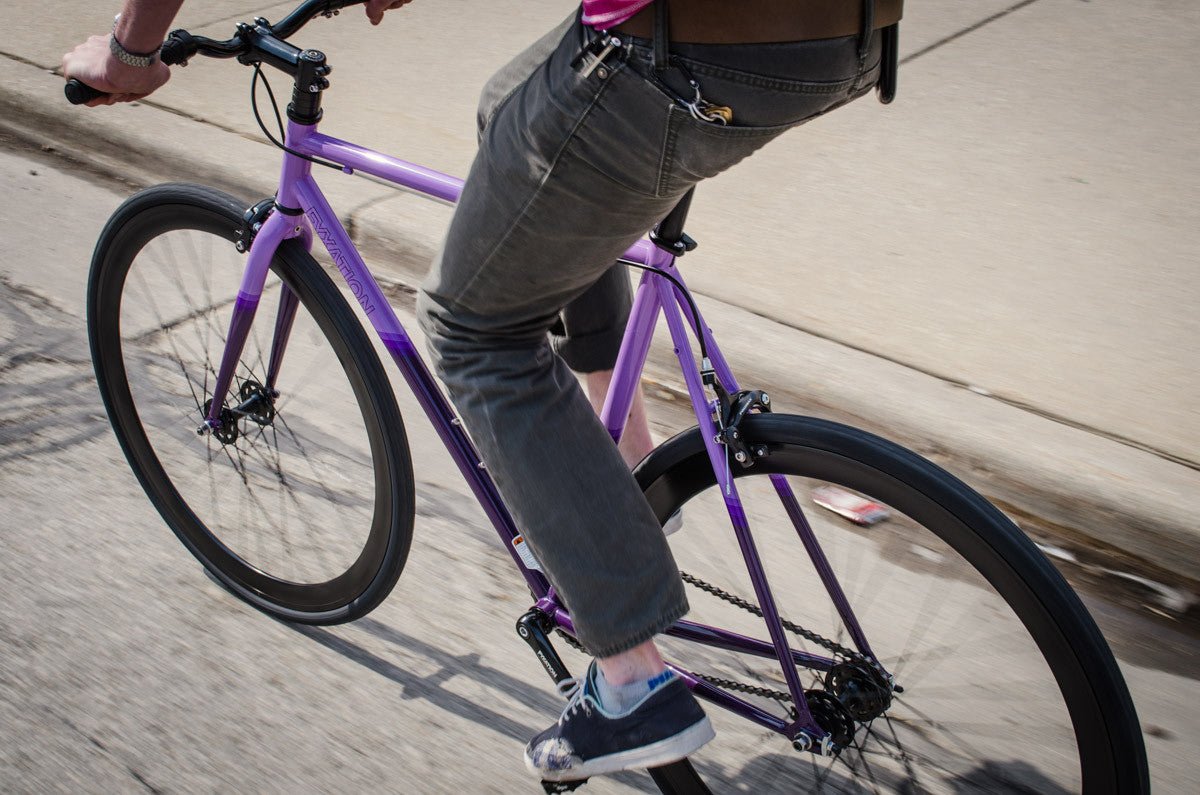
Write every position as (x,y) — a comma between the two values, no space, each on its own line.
(302,502)
(1007,684)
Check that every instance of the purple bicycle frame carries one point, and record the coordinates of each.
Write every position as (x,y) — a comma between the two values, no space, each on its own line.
(655,295)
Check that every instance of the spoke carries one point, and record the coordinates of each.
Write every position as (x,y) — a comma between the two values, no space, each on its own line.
(921,730)
(331,496)
(900,754)
(935,601)
(866,766)
(162,326)
(288,495)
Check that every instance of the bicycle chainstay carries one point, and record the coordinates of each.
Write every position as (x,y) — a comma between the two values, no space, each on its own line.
(796,629)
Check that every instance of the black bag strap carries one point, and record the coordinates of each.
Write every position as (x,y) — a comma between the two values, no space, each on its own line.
(868,28)
(889,62)
(660,57)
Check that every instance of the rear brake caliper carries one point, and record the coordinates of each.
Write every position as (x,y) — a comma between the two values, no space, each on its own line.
(731,409)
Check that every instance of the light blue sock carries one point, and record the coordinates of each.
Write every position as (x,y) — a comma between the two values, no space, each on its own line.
(619,699)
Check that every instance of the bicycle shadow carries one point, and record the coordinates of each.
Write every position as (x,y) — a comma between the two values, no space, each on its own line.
(48,400)
(432,688)
(773,772)
(769,772)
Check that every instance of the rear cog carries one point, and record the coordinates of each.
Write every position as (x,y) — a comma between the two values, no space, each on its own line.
(831,716)
(859,688)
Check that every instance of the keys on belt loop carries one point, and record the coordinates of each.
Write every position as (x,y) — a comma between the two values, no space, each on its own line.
(706,111)
(700,108)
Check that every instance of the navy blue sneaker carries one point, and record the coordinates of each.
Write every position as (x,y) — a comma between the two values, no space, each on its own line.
(663,727)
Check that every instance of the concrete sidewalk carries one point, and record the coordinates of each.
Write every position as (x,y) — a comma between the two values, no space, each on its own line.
(997,270)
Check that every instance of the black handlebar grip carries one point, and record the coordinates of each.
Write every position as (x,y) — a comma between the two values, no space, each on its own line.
(79,93)
(177,48)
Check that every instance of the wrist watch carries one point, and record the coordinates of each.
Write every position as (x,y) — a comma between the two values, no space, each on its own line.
(125,56)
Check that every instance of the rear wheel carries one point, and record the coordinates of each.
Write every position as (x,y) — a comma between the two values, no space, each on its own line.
(302,502)
(1007,683)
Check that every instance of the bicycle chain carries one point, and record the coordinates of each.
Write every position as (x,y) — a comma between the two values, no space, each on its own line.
(796,629)
(754,690)
(737,601)
(725,684)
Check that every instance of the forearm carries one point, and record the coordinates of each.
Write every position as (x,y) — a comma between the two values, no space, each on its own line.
(140,30)
(143,24)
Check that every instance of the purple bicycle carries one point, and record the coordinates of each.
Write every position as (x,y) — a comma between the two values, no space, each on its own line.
(934,651)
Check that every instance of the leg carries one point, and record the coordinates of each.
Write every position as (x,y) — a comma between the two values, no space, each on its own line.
(515,256)
(640,662)
(572,169)
(636,443)
(587,335)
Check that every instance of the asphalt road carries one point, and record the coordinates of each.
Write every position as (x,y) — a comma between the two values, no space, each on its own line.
(123,668)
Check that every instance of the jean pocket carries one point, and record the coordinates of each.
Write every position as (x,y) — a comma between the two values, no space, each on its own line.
(641,137)
(625,132)
(697,149)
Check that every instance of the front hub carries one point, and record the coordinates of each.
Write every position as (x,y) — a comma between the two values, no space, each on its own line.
(257,404)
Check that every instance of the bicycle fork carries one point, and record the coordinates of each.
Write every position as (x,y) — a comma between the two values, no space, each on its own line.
(264,229)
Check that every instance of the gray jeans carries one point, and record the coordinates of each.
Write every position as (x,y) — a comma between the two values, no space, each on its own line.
(572,170)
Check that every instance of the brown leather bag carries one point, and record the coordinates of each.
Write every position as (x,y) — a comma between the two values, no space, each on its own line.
(757,21)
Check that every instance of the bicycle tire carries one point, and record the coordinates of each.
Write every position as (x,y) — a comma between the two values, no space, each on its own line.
(307,514)
(950,726)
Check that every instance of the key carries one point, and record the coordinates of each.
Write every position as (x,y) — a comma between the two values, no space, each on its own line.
(715,112)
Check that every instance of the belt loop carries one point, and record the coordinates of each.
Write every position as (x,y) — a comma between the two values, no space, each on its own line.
(659,57)
(868,27)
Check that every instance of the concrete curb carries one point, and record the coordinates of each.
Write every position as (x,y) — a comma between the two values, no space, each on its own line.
(1055,479)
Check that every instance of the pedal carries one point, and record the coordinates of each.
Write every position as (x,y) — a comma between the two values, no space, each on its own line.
(563,786)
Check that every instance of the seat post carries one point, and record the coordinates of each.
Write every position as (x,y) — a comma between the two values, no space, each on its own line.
(668,235)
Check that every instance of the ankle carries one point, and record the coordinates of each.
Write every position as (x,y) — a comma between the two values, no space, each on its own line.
(621,699)
(641,663)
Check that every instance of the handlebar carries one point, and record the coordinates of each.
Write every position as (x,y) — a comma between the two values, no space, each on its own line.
(79,93)
(257,43)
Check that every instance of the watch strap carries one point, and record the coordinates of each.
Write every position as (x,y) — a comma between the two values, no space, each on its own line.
(125,56)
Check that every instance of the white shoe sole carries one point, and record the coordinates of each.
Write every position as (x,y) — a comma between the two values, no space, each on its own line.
(662,752)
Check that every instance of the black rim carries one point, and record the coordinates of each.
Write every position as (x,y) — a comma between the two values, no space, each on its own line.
(1104,724)
(372,573)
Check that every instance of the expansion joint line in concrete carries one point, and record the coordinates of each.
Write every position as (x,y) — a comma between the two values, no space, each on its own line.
(966,30)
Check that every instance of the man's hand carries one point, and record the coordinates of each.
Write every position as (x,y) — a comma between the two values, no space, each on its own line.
(375,8)
(93,63)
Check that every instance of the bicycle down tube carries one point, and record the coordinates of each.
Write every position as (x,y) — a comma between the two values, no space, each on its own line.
(299,194)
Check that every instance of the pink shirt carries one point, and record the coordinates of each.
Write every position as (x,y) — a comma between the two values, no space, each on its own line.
(606,13)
